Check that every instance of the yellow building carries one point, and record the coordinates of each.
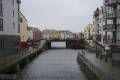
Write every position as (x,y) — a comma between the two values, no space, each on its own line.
(88,31)
(23,28)
(56,35)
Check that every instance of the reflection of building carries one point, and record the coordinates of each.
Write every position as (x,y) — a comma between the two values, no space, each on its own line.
(88,31)
(9,26)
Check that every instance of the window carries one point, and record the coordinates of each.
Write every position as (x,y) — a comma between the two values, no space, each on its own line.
(1,44)
(1,24)
(109,21)
(21,20)
(1,9)
(13,25)
(13,13)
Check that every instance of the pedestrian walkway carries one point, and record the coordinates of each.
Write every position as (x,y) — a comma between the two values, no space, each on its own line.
(107,68)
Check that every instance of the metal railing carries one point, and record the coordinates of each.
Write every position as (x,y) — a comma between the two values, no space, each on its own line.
(109,27)
(6,61)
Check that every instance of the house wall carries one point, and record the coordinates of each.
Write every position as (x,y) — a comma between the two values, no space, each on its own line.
(23,29)
(10,35)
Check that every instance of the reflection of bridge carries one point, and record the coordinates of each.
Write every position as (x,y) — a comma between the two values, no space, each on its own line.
(70,43)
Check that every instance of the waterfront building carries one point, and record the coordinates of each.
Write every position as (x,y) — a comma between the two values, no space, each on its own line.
(112,24)
(30,34)
(98,22)
(23,32)
(47,34)
(9,26)
(88,31)
(35,34)
(23,29)
(80,35)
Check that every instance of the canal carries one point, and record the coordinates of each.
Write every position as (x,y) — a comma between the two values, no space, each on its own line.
(57,63)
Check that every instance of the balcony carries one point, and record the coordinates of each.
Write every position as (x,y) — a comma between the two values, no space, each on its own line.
(107,15)
(109,27)
(108,41)
(110,2)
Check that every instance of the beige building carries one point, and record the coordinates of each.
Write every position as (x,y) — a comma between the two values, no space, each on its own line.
(88,31)
(56,35)
(23,28)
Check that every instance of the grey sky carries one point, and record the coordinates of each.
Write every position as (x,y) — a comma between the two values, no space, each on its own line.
(70,15)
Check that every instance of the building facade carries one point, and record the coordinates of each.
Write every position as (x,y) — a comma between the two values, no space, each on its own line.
(98,22)
(112,24)
(34,34)
(88,31)
(9,26)
(47,34)
(23,29)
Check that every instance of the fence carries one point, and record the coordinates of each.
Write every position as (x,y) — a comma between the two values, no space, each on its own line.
(6,61)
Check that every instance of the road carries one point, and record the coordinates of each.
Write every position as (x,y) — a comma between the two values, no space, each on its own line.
(54,64)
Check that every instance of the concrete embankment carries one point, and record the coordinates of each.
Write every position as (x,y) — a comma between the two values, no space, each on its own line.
(15,62)
(96,69)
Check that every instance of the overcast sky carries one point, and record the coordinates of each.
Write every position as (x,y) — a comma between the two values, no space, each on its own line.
(70,15)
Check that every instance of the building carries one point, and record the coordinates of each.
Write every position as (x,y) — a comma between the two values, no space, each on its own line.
(112,20)
(34,34)
(80,35)
(23,31)
(56,35)
(9,26)
(88,31)
(112,25)
(30,34)
(37,35)
(62,35)
(99,33)
(47,34)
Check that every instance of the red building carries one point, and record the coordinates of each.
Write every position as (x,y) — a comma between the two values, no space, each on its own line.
(37,35)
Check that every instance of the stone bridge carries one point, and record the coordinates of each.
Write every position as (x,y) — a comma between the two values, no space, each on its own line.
(70,43)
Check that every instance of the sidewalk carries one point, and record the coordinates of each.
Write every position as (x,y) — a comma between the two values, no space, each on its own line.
(107,68)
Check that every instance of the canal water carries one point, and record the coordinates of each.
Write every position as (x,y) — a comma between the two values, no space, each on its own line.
(57,63)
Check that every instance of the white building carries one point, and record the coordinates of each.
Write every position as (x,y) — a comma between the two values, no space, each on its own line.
(9,25)
(98,23)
